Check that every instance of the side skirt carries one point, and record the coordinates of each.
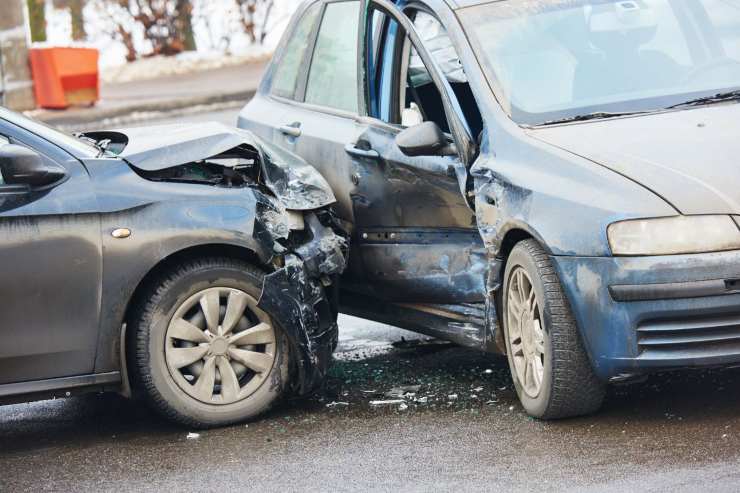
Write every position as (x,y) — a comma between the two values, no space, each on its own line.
(463,324)
(58,387)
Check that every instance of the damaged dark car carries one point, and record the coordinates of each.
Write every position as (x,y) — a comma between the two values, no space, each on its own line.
(556,180)
(195,266)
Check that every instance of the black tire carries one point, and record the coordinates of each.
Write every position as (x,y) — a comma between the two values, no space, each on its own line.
(147,335)
(569,386)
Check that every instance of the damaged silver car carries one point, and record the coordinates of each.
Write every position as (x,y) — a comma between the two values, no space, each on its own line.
(196,266)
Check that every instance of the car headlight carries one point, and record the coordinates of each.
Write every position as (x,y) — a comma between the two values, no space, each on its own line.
(674,235)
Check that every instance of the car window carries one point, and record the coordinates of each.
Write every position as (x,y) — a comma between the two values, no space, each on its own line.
(437,41)
(332,79)
(285,80)
(420,99)
(411,97)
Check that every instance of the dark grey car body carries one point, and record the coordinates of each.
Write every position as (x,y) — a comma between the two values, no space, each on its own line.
(69,278)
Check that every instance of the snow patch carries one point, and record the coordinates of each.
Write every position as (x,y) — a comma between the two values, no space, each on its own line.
(216,28)
(184,63)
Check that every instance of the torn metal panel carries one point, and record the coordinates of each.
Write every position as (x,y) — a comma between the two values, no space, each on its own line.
(152,149)
(296,297)
(275,203)
(447,273)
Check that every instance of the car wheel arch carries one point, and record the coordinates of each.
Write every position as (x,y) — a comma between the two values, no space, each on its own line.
(508,238)
(189,253)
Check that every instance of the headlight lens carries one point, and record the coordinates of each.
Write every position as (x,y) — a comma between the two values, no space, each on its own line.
(674,235)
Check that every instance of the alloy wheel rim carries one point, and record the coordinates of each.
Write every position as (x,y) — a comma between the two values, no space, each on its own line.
(219,347)
(526,334)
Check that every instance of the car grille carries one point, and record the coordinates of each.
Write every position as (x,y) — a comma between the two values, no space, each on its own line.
(689,338)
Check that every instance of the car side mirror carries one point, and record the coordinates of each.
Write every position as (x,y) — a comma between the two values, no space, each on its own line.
(425,139)
(22,166)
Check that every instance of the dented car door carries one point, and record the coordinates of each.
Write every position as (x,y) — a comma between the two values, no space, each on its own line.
(416,231)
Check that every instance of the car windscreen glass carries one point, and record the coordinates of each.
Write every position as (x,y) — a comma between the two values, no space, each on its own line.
(551,60)
(67,142)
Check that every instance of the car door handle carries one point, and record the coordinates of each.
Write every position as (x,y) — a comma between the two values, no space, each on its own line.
(291,130)
(352,150)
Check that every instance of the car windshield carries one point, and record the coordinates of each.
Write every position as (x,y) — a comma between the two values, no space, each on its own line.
(554,60)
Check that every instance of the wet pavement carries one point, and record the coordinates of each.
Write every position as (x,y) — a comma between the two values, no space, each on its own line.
(459,427)
(455,425)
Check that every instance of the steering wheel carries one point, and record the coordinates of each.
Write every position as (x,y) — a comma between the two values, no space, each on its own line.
(697,73)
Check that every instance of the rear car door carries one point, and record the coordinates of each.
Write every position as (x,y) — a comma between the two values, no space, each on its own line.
(268,113)
(50,269)
(311,102)
(417,233)
(310,98)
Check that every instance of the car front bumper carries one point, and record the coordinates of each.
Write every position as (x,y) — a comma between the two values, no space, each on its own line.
(297,298)
(641,314)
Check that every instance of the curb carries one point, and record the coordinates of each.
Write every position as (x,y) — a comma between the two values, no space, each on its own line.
(92,115)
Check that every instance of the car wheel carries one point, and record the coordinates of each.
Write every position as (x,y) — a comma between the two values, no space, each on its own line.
(204,353)
(551,371)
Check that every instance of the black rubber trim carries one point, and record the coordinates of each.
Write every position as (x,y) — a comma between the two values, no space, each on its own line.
(64,383)
(673,291)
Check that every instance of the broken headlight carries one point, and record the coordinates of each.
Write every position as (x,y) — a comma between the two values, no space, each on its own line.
(674,235)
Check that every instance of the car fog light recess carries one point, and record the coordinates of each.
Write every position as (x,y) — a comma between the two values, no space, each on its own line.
(674,235)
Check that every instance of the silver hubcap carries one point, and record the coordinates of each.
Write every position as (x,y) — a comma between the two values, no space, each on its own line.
(526,336)
(219,346)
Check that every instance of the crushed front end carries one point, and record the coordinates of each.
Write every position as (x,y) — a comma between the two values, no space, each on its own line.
(294,234)
(301,295)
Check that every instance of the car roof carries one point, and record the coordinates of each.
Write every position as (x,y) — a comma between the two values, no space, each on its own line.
(433,4)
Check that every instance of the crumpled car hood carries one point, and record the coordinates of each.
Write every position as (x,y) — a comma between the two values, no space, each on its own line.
(691,158)
(294,182)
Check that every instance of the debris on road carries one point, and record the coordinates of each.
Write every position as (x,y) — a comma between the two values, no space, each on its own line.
(403,391)
(337,404)
(390,402)
(193,436)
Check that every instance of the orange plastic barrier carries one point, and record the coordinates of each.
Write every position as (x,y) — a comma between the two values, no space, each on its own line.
(65,77)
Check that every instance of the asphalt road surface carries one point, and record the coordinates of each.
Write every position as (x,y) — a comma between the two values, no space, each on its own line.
(459,428)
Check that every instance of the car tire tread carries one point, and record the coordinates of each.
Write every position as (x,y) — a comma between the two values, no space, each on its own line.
(142,319)
(576,390)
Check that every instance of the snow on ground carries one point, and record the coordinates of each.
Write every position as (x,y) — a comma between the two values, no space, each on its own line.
(184,63)
(218,35)
(364,338)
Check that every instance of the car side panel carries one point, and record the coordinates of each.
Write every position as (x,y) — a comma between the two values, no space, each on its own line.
(164,218)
